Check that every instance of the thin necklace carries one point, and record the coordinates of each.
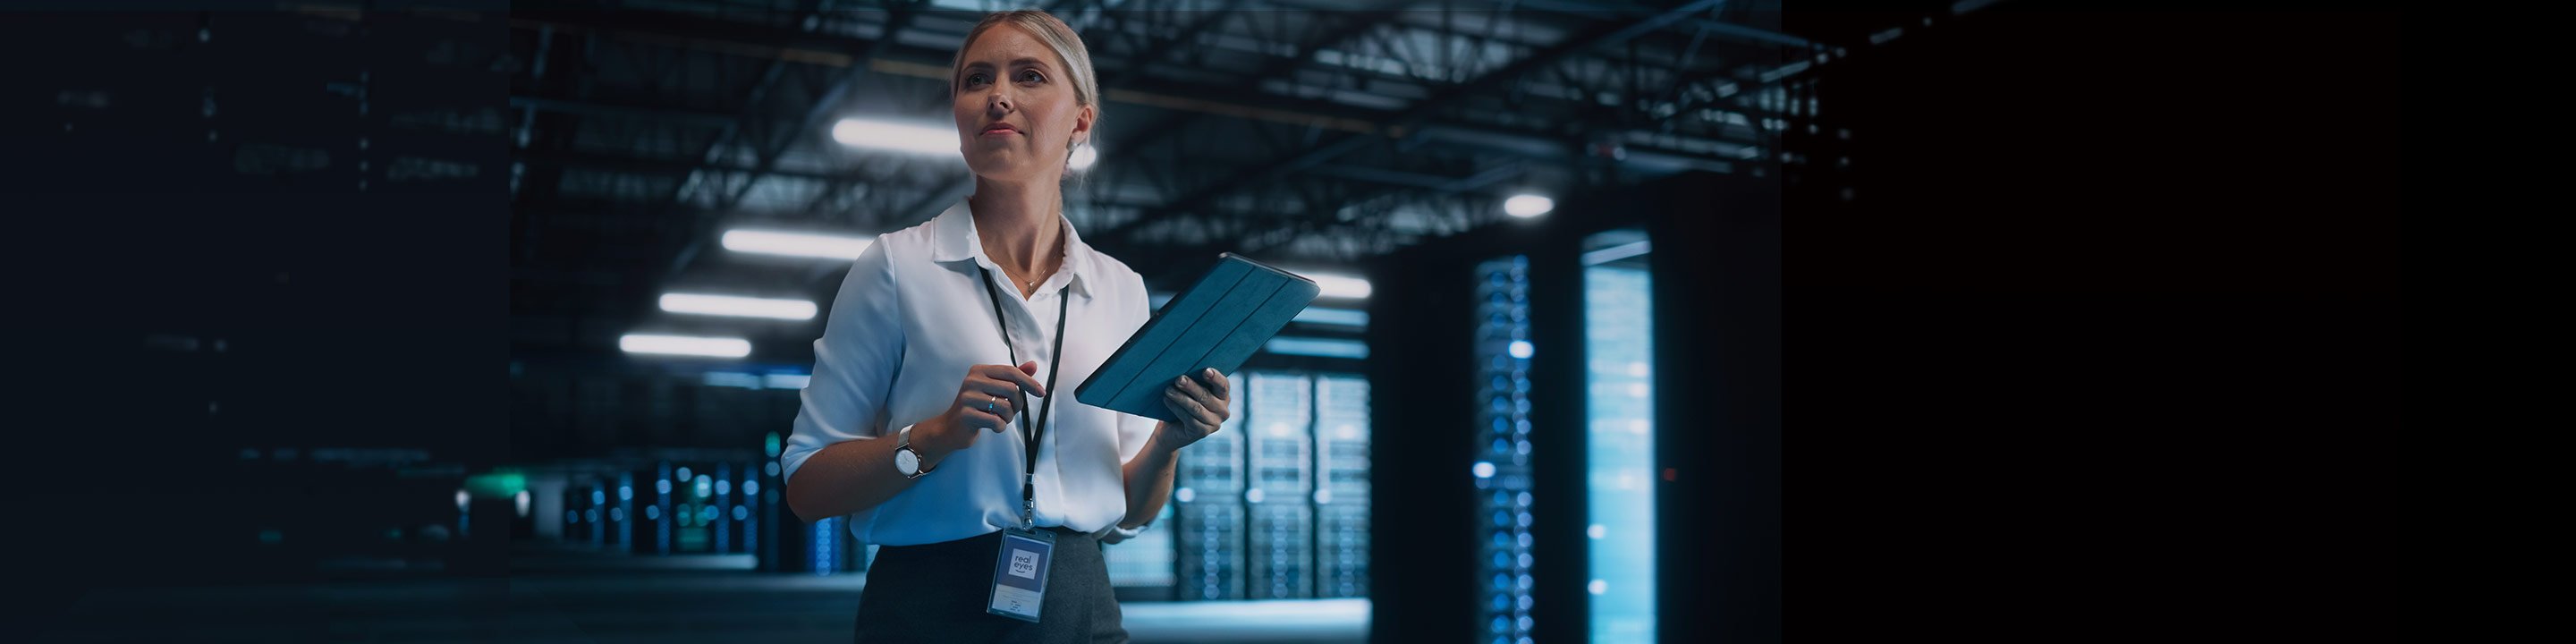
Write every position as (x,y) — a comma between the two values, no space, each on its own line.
(1059,244)
(1060,247)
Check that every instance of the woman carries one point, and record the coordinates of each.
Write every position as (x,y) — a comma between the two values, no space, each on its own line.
(940,362)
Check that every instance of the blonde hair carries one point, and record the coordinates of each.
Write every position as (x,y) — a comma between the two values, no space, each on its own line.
(1057,36)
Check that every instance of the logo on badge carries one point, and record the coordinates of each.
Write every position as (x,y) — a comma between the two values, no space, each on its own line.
(1024,564)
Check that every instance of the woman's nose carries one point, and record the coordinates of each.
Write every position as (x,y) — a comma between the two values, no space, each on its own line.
(998,102)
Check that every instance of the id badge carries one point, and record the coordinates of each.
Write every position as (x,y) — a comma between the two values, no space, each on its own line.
(1020,574)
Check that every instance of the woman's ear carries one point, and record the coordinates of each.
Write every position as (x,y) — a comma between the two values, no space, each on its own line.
(1082,125)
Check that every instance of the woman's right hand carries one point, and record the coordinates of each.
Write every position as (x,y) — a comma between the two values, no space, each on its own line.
(986,401)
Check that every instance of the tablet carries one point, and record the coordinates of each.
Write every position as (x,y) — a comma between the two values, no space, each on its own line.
(1218,323)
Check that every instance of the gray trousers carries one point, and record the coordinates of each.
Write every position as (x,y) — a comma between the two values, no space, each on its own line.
(937,593)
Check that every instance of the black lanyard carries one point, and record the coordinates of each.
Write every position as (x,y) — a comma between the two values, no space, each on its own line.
(1031,431)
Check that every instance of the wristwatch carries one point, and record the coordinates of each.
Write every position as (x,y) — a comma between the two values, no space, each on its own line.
(906,459)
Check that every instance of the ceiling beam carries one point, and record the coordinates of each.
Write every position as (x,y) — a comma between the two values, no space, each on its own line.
(1403,124)
(814,114)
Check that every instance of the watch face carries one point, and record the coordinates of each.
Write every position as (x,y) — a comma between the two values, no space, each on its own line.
(907,462)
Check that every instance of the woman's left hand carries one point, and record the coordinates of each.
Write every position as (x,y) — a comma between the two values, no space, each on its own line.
(1200,403)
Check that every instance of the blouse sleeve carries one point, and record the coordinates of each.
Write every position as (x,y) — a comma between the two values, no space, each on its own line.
(854,363)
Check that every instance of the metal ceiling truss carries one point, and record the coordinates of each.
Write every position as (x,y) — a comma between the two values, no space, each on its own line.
(1407,122)
(1296,129)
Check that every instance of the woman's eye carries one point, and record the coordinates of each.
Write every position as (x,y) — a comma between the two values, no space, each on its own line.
(976,78)
(1030,76)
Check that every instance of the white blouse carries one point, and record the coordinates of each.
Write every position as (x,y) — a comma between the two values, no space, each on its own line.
(909,320)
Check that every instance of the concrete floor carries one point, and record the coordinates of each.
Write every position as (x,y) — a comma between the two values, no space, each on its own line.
(677,601)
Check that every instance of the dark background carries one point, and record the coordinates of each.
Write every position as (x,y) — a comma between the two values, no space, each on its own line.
(2101,341)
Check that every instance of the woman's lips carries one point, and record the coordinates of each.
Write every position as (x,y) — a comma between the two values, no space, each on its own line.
(999,130)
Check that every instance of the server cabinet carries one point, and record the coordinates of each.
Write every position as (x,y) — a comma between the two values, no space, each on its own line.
(1207,498)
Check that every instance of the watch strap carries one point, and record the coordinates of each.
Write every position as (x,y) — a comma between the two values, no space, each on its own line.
(903,443)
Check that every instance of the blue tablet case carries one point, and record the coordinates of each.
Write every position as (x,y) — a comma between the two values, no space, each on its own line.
(1217,324)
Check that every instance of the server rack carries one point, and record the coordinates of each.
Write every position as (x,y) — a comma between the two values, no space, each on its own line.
(621,512)
(1207,521)
(1502,473)
(1341,493)
(1280,549)
(785,546)
(595,514)
(644,517)
(720,520)
(665,524)
(746,511)
(827,545)
(1144,567)
(692,525)
(576,504)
